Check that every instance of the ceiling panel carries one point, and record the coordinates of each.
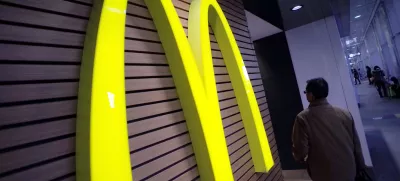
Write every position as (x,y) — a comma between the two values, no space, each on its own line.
(312,10)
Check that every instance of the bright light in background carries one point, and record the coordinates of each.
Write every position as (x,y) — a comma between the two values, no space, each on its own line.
(297,7)
(358,16)
(355,54)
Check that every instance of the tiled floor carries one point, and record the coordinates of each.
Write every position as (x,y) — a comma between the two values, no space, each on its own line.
(382,128)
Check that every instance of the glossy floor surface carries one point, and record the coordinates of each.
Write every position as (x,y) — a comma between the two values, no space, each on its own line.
(381,120)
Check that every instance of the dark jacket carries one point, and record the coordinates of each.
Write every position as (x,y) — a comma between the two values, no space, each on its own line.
(324,137)
(369,73)
(378,75)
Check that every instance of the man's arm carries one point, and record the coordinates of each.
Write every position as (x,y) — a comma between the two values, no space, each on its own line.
(300,140)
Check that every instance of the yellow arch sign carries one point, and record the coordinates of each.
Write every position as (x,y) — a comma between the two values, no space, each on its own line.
(101,106)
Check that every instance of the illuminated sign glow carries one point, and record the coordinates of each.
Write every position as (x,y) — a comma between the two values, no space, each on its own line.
(102,148)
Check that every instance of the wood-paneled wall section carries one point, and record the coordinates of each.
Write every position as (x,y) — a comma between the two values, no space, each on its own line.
(40,52)
(159,140)
(41,44)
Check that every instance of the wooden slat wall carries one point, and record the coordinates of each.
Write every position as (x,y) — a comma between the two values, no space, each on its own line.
(41,46)
(160,144)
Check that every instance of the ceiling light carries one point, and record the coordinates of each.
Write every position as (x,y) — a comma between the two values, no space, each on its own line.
(295,8)
(358,16)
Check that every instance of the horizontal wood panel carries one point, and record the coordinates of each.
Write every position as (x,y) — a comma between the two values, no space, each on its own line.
(149,83)
(141,34)
(64,7)
(243,170)
(239,152)
(236,136)
(220,70)
(144,71)
(255,76)
(249,57)
(139,22)
(260,94)
(32,112)
(227,103)
(152,109)
(158,135)
(229,14)
(142,126)
(250,173)
(236,7)
(36,132)
(150,96)
(35,35)
(189,175)
(251,64)
(261,101)
(224,87)
(231,120)
(265,113)
(176,169)
(38,72)
(47,171)
(244,45)
(24,157)
(148,169)
(229,111)
(27,92)
(26,16)
(240,162)
(232,10)
(233,128)
(145,155)
(142,46)
(256,82)
(236,145)
(253,70)
(39,53)
(137,10)
(222,78)
(132,57)
(226,95)
(258,88)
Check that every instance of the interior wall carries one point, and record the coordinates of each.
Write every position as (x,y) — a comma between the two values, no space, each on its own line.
(316,51)
(40,52)
(392,10)
(41,47)
(375,54)
(280,85)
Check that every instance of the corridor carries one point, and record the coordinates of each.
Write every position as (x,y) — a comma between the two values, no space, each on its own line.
(381,119)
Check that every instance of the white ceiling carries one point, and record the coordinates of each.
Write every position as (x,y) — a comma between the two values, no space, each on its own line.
(363,8)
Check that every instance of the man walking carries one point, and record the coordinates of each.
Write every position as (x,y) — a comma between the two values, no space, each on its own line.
(356,75)
(324,137)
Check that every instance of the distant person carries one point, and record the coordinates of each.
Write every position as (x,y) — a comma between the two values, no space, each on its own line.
(379,80)
(369,74)
(356,75)
(394,88)
(324,137)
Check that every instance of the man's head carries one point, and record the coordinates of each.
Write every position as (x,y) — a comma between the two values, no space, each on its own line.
(316,89)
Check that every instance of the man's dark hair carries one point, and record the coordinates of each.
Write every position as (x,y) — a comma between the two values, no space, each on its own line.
(318,87)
